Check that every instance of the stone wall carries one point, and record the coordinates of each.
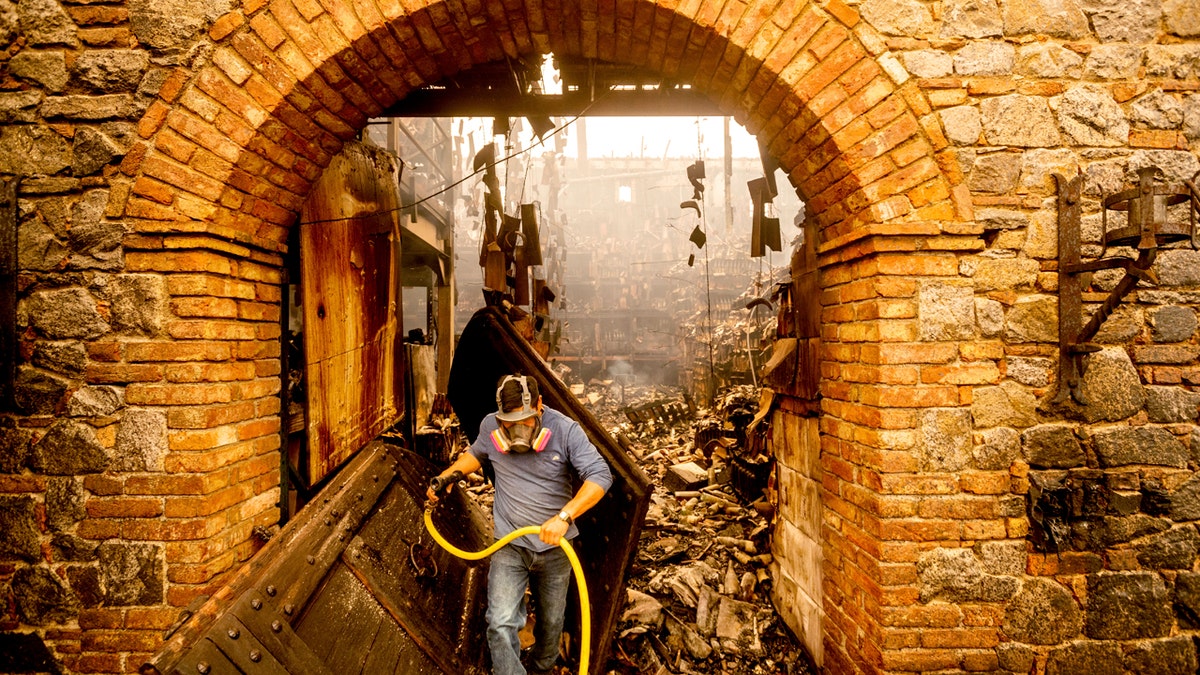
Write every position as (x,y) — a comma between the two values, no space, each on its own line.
(165,148)
(129,478)
(1060,538)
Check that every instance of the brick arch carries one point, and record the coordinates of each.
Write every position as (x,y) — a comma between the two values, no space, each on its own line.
(235,148)
(232,148)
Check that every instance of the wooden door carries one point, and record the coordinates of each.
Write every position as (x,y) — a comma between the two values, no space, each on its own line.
(350,292)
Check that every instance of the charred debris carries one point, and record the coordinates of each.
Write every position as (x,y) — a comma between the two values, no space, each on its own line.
(698,593)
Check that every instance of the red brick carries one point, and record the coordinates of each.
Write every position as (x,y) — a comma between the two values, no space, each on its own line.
(170,484)
(176,351)
(124,507)
(119,373)
(960,638)
(101,617)
(120,641)
(222,27)
(204,307)
(206,505)
(103,351)
(211,330)
(177,394)
(181,573)
(154,619)
(985,482)
(922,616)
(257,428)
(17,484)
(919,484)
(178,261)
(101,484)
(213,372)
(93,528)
(99,663)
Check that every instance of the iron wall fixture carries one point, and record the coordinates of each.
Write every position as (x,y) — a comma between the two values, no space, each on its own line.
(1148,228)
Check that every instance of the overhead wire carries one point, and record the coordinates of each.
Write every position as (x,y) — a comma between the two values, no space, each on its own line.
(451,186)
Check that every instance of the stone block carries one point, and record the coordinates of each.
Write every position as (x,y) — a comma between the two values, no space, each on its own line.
(1088,115)
(897,18)
(999,447)
(1019,121)
(1043,612)
(1008,404)
(131,574)
(48,69)
(45,23)
(19,523)
(946,311)
(37,392)
(111,71)
(14,446)
(170,25)
(1171,405)
(971,19)
(68,313)
(1048,60)
(1187,599)
(66,358)
(70,548)
(1032,319)
(945,439)
(64,502)
(1139,445)
(1162,657)
(1127,606)
(68,449)
(1135,21)
(953,575)
(1095,658)
(1110,389)
(98,401)
(42,597)
(1173,323)
(1052,446)
(141,440)
(985,58)
(1183,503)
(1173,549)
(1057,18)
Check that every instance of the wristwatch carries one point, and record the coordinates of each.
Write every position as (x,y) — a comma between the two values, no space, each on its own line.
(566,517)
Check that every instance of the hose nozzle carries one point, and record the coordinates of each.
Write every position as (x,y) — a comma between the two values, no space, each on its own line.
(439,483)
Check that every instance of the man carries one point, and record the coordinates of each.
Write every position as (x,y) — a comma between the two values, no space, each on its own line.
(531,450)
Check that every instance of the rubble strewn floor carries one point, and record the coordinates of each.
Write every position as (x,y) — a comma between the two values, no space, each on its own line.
(698,598)
(699,590)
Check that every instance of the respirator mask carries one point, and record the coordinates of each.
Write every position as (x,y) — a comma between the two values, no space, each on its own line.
(513,435)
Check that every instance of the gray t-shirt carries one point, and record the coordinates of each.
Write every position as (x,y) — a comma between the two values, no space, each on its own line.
(533,487)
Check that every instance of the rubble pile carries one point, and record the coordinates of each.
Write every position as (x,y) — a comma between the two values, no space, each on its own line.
(699,589)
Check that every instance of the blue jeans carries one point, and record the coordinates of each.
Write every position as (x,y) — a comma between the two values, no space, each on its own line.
(548,575)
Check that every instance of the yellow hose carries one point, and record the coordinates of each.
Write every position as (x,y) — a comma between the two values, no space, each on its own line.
(585,619)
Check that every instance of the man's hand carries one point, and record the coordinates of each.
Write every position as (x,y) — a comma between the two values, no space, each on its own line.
(465,464)
(553,530)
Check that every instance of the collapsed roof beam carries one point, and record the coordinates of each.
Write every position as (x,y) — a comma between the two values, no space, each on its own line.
(492,103)
(589,87)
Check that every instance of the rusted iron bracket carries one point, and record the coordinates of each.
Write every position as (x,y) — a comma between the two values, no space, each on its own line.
(1147,231)
(8,290)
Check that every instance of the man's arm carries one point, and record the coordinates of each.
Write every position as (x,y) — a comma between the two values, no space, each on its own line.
(466,463)
(588,495)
